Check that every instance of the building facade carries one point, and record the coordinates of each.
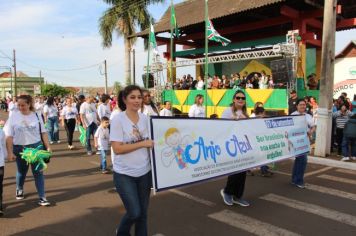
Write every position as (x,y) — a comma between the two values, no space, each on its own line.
(24,84)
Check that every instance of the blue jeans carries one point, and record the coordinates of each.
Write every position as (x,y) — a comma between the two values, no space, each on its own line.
(135,194)
(90,131)
(345,146)
(103,159)
(22,169)
(300,164)
(53,129)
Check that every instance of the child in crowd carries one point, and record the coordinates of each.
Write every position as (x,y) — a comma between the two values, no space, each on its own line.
(3,155)
(101,141)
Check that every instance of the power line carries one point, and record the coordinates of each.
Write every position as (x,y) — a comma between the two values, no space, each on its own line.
(52,69)
(6,56)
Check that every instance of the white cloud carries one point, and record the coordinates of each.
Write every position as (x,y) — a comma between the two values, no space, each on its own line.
(19,17)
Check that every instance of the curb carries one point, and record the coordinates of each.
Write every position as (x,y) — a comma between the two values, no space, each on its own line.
(332,163)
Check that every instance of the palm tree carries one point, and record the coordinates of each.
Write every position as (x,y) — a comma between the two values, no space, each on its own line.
(123,17)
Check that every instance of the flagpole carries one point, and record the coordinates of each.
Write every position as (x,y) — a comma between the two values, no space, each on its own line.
(148,59)
(206,59)
(171,49)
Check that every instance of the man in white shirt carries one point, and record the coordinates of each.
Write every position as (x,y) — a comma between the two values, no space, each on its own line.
(166,111)
(104,109)
(89,118)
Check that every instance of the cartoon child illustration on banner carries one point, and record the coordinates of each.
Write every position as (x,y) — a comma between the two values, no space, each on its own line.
(175,148)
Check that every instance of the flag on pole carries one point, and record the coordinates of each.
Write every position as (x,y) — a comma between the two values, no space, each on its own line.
(152,40)
(213,35)
(174,24)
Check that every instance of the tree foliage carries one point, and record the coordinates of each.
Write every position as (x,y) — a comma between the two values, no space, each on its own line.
(54,90)
(117,87)
(124,17)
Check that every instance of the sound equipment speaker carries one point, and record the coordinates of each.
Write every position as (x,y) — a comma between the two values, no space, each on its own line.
(282,70)
(150,80)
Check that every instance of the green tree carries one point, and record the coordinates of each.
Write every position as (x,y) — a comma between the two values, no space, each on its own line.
(54,90)
(124,17)
(116,87)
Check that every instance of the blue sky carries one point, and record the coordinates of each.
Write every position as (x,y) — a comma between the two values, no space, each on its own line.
(52,35)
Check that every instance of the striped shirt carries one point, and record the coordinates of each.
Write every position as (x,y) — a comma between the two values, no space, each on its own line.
(341,119)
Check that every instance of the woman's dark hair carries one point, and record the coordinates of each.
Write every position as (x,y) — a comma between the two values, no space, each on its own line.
(120,101)
(128,89)
(28,99)
(50,101)
(199,96)
(244,109)
(299,101)
(104,98)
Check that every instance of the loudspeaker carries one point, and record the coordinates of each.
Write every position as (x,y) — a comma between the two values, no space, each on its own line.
(151,83)
(282,70)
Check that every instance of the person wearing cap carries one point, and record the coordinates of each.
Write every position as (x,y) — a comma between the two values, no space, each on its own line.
(292,102)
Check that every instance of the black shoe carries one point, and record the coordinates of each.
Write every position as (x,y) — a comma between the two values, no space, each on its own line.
(44,202)
(19,194)
(1,210)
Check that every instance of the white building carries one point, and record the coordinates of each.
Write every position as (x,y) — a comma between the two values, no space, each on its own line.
(345,71)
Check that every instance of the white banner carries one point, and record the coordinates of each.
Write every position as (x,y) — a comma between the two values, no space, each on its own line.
(191,150)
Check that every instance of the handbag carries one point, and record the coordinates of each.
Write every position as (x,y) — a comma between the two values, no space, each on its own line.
(39,125)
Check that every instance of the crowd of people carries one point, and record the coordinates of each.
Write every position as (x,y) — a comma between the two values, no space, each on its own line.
(119,123)
(258,80)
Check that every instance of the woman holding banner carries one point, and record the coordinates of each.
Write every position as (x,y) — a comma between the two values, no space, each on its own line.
(235,185)
(300,162)
(131,163)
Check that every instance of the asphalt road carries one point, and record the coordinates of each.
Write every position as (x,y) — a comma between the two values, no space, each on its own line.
(85,203)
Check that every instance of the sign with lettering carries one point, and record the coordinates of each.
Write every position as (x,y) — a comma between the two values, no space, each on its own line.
(191,150)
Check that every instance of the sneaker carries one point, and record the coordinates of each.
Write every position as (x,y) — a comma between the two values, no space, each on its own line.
(226,197)
(300,186)
(97,153)
(89,153)
(71,147)
(51,142)
(43,202)
(240,202)
(106,171)
(19,194)
(58,141)
(345,158)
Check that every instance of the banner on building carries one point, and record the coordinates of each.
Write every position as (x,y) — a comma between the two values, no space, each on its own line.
(191,150)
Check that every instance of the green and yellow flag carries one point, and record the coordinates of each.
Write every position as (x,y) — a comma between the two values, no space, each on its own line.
(174,24)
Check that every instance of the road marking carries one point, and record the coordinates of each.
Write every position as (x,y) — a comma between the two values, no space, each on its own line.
(331,191)
(351,172)
(249,224)
(318,171)
(311,208)
(95,163)
(338,179)
(194,198)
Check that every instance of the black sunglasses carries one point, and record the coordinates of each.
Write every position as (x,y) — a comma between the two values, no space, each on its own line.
(240,98)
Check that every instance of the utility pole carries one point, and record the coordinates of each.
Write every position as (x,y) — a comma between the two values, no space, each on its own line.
(323,131)
(134,65)
(106,78)
(15,76)
(40,82)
